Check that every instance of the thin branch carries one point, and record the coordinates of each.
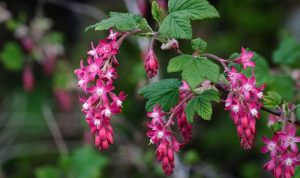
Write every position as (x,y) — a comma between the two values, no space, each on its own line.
(170,121)
(53,127)
(218,59)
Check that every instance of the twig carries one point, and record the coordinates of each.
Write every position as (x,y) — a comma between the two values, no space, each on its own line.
(53,127)
(170,121)
(218,59)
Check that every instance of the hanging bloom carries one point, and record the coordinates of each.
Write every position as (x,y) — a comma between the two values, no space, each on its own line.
(244,104)
(163,138)
(151,64)
(96,79)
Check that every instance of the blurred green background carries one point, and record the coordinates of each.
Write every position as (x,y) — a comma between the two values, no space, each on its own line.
(42,131)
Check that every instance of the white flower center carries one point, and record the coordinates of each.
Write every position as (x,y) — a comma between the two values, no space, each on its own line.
(290,139)
(106,48)
(97,122)
(154,114)
(160,134)
(99,91)
(109,75)
(93,68)
(86,106)
(119,102)
(227,104)
(288,162)
(107,112)
(92,52)
(260,94)
(80,82)
(271,146)
(235,108)
(253,112)
(248,87)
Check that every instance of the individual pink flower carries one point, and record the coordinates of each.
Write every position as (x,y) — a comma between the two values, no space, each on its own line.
(271,145)
(245,58)
(289,138)
(151,64)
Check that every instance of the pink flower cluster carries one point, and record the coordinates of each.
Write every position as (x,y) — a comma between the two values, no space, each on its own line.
(161,135)
(243,101)
(96,79)
(283,151)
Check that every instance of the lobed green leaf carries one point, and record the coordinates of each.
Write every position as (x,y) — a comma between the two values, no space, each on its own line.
(201,105)
(164,93)
(122,22)
(199,44)
(272,100)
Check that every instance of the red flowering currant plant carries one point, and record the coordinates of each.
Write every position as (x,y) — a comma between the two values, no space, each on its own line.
(205,78)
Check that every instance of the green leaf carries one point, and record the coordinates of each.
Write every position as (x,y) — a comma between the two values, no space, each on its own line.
(176,64)
(202,105)
(199,44)
(276,126)
(47,172)
(164,93)
(122,22)
(85,162)
(272,100)
(288,52)
(176,26)
(157,12)
(211,95)
(283,85)
(298,112)
(193,9)
(194,69)
(12,56)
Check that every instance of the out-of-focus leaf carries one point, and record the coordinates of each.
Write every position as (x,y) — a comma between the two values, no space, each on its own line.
(47,172)
(283,85)
(288,52)
(12,56)
(85,162)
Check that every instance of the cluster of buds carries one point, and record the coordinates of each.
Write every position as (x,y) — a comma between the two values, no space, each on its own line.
(283,152)
(184,126)
(161,135)
(243,100)
(151,64)
(96,79)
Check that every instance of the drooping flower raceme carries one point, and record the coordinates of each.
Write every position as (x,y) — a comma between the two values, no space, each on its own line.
(283,152)
(96,80)
(163,138)
(243,100)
